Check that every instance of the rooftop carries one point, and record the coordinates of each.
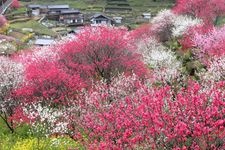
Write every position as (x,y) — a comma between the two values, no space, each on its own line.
(58,6)
(33,6)
(99,15)
(146,14)
(70,11)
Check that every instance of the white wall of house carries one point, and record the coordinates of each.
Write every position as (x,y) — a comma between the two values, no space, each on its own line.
(97,22)
(35,12)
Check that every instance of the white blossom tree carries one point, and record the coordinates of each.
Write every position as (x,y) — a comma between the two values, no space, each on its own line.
(168,24)
(163,62)
(182,23)
(46,120)
(11,75)
(215,71)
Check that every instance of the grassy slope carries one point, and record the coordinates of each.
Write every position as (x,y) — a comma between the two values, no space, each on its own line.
(37,27)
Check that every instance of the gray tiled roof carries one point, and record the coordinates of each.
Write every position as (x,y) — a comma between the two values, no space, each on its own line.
(33,6)
(100,14)
(58,6)
(68,11)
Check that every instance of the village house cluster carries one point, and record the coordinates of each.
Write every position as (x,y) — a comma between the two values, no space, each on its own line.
(64,15)
(70,16)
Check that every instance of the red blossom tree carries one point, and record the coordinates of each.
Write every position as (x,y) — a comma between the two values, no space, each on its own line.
(102,53)
(208,10)
(47,83)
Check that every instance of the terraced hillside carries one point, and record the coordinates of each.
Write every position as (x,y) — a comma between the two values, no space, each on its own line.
(130,10)
(119,6)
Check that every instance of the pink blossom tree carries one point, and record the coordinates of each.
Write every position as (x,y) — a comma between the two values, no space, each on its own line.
(142,32)
(3,21)
(210,44)
(187,39)
(15,4)
(212,9)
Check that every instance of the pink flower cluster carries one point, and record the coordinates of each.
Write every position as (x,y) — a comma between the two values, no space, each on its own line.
(212,9)
(157,118)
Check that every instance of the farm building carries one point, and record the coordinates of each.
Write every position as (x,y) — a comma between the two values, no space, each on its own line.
(101,19)
(71,17)
(36,10)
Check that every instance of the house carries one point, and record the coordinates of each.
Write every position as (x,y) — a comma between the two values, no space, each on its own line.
(118,20)
(43,9)
(71,17)
(101,19)
(146,15)
(60,13)
(33,10)
(43,42)
(36,10)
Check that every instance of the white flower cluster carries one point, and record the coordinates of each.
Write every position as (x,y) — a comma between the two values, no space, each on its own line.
(177,23)
(163,19)
(46,53)
(119,88)
(163,61)
(215,71)
(182,23)
(54,120)
(11,75)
